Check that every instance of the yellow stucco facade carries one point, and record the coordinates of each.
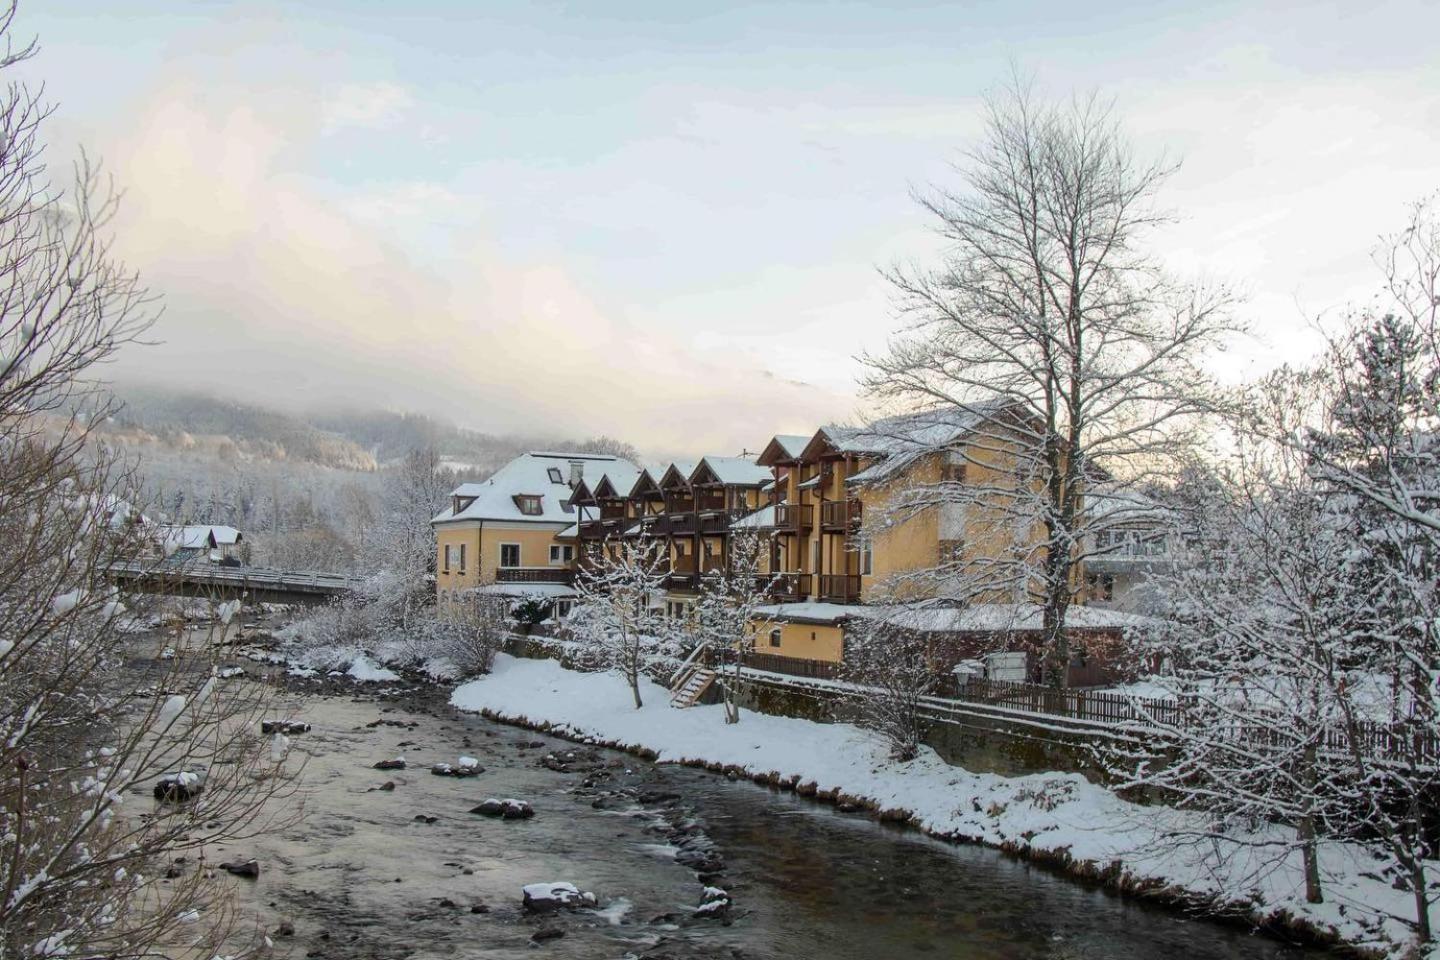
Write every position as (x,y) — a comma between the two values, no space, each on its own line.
(485,543)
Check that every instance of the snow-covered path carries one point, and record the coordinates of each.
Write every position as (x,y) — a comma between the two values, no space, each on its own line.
(1054,817)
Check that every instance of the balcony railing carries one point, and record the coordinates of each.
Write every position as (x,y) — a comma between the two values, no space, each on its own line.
(785,586)
(674,505)
(683,581)
(793,517)
(534,575)
(840,587)
(841,515)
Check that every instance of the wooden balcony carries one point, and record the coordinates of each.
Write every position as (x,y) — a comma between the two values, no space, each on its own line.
(793,517)
(840,587)
(678,504)
(710,501)
(683,581)
(534,575)
(786,586)
(840,516)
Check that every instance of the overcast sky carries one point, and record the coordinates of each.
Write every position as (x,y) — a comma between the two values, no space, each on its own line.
(662,221)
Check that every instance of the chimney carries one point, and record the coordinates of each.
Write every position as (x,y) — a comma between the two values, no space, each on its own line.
(577,472)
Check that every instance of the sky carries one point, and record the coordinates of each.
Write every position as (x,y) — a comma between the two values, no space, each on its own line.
(666,221)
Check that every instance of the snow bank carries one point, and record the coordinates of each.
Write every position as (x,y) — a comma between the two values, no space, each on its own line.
(366,670)
(1055,817)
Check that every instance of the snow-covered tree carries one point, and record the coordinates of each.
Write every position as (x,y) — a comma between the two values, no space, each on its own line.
(728,610)
(1257,650)
(403,555)
(1049,326)
(890,672)
(618,618)
(81,733)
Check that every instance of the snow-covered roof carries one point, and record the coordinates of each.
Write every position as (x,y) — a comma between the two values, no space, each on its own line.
(531,474)
(901,440)
(735,471)
(809,612)
(622,476)
(1000,617)
(542,591)
(197,536)
(678,469)
(761,519)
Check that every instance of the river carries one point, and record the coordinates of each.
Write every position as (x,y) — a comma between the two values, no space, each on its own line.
(365,875)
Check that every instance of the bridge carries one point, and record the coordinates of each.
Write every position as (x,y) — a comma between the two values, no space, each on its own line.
(259,584)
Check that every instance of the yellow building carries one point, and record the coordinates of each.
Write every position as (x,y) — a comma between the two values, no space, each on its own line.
(500,536)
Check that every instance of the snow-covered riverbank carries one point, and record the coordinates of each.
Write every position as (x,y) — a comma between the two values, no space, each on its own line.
(1060,819)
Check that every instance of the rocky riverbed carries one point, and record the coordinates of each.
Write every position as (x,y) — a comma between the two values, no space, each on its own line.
(622,858)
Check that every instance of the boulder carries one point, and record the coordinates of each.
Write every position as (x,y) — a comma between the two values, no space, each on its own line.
(714,903)
(549,897)
(547,933)
(508,809)
(179,787)
(397,764)
(287,727)
(466,767)
(242,868)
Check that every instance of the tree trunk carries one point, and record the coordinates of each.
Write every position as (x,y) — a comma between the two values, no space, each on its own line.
(634,679)
(1309,852)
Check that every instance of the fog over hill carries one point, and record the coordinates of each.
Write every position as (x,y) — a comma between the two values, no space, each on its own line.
(305,488)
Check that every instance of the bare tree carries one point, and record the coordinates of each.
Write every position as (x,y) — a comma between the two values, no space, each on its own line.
(729,608)
(80,732)
(889,672)
(403,557)
(617,619)
(1049,327)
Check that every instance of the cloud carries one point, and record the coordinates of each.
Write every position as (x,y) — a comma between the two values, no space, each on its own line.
(279,289)
(372,106)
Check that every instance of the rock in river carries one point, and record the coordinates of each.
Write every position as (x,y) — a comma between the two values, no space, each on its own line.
(508,809)
(179,787)
(548,897)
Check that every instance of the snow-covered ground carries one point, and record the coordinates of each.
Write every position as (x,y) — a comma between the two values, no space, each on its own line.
(1055,817)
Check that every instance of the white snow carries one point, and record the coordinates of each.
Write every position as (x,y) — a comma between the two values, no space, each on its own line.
(169,711)
(1042,812)
(366,670)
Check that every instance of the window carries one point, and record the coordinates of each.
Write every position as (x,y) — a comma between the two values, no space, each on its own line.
(953,472)
(462,558)
(509,555)
(952,551)
(867,558)
(445,558)
(561,553)
(775,637)
(566,506)
(563,608)
(555,476)
(528,504)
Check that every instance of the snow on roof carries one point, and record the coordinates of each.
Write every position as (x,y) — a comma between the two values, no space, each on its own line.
(792,443)
(680,468)
(761,519)
(530,474)
(1000,618)
(900,440)
(809,612)
(735,471)
(198,536)
(622,476)
(542,591)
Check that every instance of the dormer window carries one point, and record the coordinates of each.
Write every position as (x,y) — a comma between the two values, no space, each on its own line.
(528,504)
(461,503)
(555,476)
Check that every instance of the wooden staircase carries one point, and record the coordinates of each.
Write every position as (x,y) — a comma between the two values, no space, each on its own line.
(690,685)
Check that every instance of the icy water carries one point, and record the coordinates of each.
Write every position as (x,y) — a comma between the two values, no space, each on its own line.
(363,877)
